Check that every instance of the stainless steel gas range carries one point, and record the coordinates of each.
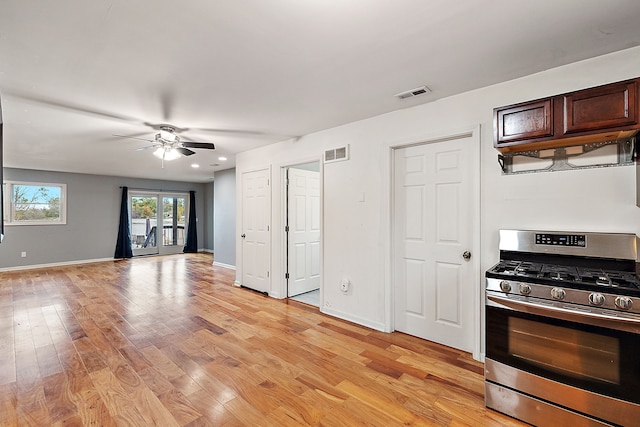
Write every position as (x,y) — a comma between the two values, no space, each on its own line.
(563,328)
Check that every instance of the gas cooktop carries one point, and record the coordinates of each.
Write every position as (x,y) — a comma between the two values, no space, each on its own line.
(565,275)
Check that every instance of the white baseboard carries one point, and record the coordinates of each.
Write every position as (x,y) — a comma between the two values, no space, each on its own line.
(56,264)
(219,264)
(378,326)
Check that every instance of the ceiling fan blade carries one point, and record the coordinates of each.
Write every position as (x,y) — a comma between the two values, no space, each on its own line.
(147,147)
(185,151)
(192,144)
(231,131)
(133,137)
(240,132)
(51,102)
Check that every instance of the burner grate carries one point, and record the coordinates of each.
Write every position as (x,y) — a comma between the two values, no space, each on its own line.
(616,279)
(567,274)
(560,273)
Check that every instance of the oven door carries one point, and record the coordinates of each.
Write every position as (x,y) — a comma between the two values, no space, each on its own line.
(589,351)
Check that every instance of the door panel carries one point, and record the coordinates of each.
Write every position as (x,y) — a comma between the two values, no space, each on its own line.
(303,195)
(432,229)
(174,210)
(448,294)
(256,216)
(143,226)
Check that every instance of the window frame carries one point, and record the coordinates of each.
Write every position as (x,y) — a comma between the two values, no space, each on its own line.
(9,209)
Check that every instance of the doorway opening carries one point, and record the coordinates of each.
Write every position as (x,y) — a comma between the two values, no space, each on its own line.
(302,232)
(158,222)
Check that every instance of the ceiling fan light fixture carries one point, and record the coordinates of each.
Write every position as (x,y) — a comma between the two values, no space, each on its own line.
(172,154)
(167,153)
(167,135)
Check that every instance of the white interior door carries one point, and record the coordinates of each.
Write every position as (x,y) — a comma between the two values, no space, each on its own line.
(255,237)
(303,245)
(433,228)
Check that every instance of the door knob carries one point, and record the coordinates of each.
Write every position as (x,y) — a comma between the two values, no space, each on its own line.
(466,255)
(243,235)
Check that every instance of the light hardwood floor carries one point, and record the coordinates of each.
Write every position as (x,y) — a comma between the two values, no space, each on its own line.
(169,341)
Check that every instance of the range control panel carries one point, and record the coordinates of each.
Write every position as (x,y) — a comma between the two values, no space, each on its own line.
(579,240)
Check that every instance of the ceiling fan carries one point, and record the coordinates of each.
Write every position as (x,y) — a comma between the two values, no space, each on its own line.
(169,146)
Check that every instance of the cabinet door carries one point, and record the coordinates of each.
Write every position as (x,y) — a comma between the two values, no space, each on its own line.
(603,107)
(523,122)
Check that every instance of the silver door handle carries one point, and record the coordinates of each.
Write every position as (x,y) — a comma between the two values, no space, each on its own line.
(466,255)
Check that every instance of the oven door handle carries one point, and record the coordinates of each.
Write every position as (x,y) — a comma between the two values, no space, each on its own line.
(624,322)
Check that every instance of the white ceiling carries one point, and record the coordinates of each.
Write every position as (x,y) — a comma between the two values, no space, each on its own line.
(245,73)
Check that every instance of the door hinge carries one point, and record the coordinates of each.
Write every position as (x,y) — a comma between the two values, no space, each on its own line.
(286,228)
(267,274)
(286,276)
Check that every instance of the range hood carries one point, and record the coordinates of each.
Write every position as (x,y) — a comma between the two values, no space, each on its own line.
(597,138)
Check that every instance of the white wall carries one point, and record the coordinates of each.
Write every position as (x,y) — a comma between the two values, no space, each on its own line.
(356,235)
(224,218)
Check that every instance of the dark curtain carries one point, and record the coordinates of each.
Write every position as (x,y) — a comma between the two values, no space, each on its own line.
(123,245)
(191,245)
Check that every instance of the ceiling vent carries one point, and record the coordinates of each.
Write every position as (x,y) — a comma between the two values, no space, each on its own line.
(336,154)
(413,92)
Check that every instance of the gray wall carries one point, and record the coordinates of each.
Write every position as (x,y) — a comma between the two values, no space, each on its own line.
(224,217)
(93,209)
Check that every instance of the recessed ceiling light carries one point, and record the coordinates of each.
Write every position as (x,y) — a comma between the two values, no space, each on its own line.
(195,165)
(222,158)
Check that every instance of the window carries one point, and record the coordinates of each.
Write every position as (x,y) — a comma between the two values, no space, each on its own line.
(32,203)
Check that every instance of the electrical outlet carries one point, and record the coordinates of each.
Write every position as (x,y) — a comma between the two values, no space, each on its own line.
(23,254)
(344,286)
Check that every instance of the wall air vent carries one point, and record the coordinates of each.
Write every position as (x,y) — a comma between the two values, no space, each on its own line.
(413,92)
(336,154)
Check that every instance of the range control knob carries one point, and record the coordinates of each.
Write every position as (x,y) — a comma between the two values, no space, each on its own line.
(505,286)
(596,299)
(624,303)
(558,294)
(525,289)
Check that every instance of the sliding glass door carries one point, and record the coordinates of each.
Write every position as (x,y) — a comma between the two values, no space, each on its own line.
(173,223)
(158,222)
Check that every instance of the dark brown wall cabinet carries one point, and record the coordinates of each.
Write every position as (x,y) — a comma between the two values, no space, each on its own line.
(592,115)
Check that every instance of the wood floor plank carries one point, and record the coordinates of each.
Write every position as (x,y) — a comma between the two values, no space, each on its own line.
(180,407)
(8,405)
(161,362)
(8,373)
(57,393)
(170,341)
(213,412)
(117,401)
